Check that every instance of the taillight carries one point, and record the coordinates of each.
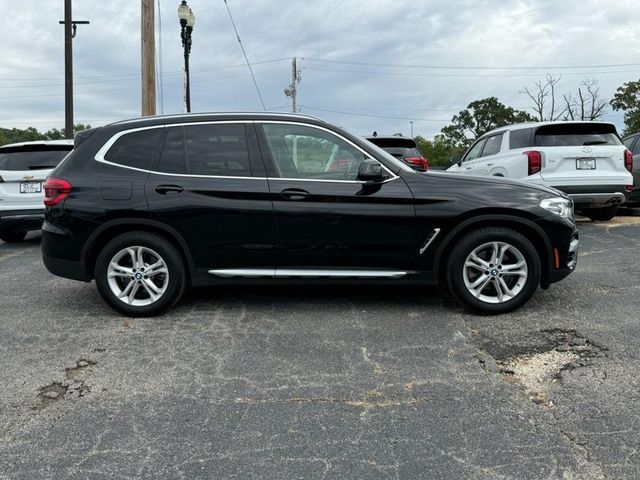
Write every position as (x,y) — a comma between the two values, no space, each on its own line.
(534,161)
(55,191)
(421,162)
(628,160)
(628,188)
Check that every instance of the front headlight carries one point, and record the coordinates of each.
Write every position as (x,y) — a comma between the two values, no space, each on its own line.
(559,206)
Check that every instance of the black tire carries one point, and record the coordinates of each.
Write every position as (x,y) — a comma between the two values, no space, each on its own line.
(164,249)
(455,270)
(12,236)
(601,214)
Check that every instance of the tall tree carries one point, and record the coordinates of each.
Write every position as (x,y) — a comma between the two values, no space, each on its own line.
(437,151)
(627,98)
(585,104)
(479,118)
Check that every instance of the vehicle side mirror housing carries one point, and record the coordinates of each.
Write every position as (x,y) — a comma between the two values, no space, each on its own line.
(455,159)
(371,171)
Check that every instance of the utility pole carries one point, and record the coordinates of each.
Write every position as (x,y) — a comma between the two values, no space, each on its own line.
(69,34)
(292,90)
(148,54)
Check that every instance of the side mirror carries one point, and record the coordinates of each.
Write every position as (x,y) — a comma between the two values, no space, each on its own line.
(370,171)
(455,159)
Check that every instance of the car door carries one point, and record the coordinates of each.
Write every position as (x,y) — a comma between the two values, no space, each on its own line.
(470,162)
(489,158)
(330,223)
(209,184)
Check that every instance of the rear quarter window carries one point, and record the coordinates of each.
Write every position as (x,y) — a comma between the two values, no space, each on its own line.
(520,138)
(576,134)
(135,149)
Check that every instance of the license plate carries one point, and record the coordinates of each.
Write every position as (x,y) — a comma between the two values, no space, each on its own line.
(585,163)
(30,187)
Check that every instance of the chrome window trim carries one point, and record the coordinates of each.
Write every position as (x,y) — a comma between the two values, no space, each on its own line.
(100,154)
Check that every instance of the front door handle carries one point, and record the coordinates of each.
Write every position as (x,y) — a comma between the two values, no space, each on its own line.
(169,189)
(294,194)
(468,168)
(489,164)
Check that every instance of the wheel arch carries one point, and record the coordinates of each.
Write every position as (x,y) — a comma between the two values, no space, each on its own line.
(530,230)
(101,236)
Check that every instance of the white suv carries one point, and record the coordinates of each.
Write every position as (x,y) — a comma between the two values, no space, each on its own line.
(23,169)
(586,160)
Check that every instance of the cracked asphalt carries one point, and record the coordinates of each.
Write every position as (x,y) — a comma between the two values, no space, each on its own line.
(310,383)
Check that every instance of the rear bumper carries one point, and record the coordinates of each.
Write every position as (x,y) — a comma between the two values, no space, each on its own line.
(22,219)
(53,257)
(595,195)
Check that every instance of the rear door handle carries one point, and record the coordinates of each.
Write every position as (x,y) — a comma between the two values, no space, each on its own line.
(294,194)
(489,164)
(169,189)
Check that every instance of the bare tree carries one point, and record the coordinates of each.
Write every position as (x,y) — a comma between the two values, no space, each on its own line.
(545,95)
(588,106)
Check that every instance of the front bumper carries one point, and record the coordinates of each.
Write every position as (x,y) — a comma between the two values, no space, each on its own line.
(21,220)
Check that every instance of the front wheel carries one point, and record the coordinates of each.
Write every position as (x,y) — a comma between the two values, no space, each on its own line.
(493,270)
(140,274)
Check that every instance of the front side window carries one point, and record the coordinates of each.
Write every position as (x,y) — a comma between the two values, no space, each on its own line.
(475,151)
(207,149)
(492,145)
(135,149)
(299,151)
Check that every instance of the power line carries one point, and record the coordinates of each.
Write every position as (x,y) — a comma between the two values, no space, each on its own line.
(463,75)
(465,67)
(245,55)
(373,115)
(137,75)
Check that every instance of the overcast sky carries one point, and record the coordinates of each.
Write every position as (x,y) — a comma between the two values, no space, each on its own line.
(366,65)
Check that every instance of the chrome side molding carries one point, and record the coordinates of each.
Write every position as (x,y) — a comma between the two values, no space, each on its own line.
(304,273)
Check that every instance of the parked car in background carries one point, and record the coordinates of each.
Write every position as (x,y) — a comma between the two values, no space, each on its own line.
(404,149)
(586,160)
(147,207)
(23,170)
(632,142)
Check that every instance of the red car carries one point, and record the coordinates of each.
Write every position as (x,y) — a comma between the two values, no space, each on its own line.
(404,149)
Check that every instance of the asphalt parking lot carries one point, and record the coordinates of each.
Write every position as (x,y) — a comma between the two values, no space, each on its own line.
(337,382)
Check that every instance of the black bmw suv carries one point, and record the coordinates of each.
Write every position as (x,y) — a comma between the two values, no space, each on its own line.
(148,207)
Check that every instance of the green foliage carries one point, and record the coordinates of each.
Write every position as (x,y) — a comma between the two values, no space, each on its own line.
(16,135)
(627,98)
(437,151)
(480,117)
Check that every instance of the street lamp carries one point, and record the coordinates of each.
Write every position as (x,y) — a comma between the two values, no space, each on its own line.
(411,128)
(187,21)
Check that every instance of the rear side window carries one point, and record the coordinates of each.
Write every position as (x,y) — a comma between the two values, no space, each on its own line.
(520,138)
(135,149)
(207,149)
(576,134)
(32,157)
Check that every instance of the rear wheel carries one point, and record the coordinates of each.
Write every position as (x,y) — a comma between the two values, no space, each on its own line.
(140,274)
(600,214)
(12,236)
(493,270)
